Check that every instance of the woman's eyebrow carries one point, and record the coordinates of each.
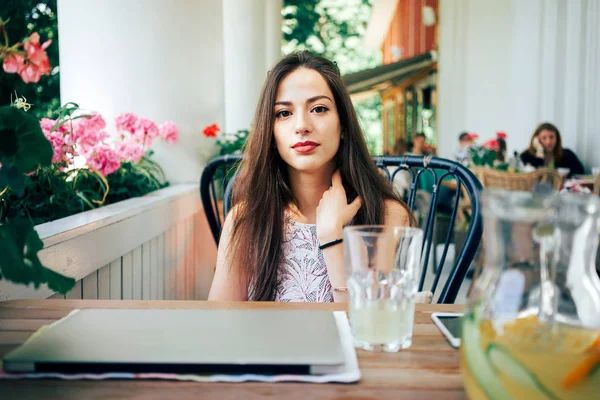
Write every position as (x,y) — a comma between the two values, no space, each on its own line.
(310,100)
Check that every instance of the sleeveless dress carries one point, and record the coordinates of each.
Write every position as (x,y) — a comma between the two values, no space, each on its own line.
(302,274)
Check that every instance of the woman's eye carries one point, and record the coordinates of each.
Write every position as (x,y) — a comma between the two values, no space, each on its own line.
(282,114)
(320,109)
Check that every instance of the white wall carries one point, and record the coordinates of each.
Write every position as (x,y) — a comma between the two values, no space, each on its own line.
(159,59)
(252,44)
(511,64)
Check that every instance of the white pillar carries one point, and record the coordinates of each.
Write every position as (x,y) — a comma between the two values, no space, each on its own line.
(159,59)
(252,40)
(273,34)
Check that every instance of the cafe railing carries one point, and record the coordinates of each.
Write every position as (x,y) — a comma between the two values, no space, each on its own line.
(154,247)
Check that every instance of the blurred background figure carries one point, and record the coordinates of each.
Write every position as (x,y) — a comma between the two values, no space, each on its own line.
(419,147)
(462,154)
(501,152)
(400,147)
(545,150)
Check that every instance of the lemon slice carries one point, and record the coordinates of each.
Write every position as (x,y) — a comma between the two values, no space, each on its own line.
(530,333)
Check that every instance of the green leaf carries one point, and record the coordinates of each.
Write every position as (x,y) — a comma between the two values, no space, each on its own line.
(11,176)
(8,143)
(33,149)
(19,262)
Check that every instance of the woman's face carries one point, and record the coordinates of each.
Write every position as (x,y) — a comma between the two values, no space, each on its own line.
(307,125)
(548,140)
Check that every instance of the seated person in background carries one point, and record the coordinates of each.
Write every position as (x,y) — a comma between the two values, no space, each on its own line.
(463,155)
(306,173)
(545,150)
(400,147)
(501,152)
(419,146)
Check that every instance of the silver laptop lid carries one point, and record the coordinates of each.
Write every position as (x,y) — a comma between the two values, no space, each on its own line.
(182,337)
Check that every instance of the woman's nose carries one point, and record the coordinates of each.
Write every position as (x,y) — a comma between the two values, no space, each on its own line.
(302,124)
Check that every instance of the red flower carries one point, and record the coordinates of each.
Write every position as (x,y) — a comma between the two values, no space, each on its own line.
(211,130)
(473,136)
(501,135)
(491,144)
(14,63)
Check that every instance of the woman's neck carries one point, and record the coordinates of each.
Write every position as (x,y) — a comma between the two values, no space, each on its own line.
(307,190)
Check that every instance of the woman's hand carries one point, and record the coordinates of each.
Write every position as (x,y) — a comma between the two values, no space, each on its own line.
(333,212)
(539,149)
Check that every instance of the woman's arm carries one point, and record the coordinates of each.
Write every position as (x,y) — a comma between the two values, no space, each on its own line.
(528,158)
(395,214)
(228,283)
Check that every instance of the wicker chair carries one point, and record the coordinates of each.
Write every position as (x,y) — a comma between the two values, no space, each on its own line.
(523,181)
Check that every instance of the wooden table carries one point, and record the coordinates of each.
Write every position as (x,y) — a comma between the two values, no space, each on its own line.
(429,369)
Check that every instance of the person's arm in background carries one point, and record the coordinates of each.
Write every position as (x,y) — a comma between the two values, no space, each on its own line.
(528,158)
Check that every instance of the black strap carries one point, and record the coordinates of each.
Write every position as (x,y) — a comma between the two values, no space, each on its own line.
(329,244)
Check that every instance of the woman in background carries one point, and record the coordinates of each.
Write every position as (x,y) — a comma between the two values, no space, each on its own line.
(545,150)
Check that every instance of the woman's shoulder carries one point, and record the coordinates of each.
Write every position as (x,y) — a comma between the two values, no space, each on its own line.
(568,152)
(396,213)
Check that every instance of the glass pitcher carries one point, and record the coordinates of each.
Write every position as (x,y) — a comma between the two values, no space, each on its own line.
(532,323)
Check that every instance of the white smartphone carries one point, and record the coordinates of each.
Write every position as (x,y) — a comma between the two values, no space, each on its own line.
(449,325)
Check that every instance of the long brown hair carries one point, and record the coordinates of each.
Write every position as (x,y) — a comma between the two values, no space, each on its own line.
(558,149)
(262,190)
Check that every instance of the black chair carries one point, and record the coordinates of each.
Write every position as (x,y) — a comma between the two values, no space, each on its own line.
(221,169)
(214,182)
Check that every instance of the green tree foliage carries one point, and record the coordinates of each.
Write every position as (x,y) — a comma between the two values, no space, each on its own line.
(331,28)
(26,17)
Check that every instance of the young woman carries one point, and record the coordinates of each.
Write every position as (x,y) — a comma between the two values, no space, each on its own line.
(545,150)
(306,173)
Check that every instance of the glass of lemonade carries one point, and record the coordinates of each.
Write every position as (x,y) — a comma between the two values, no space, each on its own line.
(382,270)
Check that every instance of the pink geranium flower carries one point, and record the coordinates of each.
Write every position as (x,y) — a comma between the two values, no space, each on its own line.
(130,150)
(501,135)
(36,53)
(145,131)
(89,131)
(126,122)
(62,142)
(103,158)
(37,63)
(168,131)
(13,63)
(146,127)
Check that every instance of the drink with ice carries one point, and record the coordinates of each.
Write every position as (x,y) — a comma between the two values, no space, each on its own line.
(382,267)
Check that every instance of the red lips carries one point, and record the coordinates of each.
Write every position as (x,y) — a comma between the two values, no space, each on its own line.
(307,143)
(305,147)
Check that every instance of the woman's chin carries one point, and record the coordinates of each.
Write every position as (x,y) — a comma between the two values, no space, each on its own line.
(309,166)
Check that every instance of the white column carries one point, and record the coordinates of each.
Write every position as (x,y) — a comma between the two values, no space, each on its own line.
(273,34)
(452,75)
(158,59)
(474,70)
(252,37)
(589,138)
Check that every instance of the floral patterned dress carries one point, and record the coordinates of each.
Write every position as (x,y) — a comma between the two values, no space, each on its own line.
(302,274)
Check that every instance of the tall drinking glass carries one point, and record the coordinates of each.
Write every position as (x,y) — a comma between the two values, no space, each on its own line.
(382,270)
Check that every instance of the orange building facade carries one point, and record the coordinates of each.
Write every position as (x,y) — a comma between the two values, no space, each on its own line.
(409,104)
(407,33)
